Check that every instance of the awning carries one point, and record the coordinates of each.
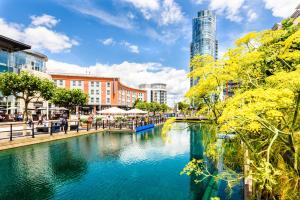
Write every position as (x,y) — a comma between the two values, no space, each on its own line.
(112,111)
(136,111)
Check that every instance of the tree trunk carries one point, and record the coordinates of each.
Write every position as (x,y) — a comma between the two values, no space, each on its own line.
(25,115)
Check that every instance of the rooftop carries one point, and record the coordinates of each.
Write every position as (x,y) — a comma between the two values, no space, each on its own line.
(11,45)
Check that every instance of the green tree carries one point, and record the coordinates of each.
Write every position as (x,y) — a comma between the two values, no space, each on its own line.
(183,107)
(25,86)
(154,107)
(136,102)
(69,98)
(142,105)
(164,108)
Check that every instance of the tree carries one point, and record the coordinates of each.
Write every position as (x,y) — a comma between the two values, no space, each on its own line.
(136,102)
(182,106)
(142,105)
(154,107)
(263,114)
(164,108)
(25,86)
(69,98)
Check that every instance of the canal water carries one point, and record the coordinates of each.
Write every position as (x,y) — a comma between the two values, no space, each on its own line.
(108,166)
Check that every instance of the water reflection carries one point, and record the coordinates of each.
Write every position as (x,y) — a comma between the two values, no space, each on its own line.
(105,166)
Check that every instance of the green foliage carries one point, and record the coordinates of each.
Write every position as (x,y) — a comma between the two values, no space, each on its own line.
(151,107)
(183,107)
(25,86)
(69,98)
(264,111)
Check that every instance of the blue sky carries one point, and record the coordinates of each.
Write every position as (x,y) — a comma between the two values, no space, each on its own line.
(136,40)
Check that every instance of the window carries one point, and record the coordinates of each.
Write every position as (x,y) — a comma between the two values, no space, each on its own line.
(97,84)
(97,100)
(92,83)
(108,84)
(60,82)
(92,91)
(107,92)
(79,83)
(108,100)
(74,83)
(92,99)
(97,92)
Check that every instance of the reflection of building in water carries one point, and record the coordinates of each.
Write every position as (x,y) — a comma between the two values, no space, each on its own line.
(111,144)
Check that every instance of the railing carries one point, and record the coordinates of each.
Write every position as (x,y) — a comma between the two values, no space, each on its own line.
(13,130)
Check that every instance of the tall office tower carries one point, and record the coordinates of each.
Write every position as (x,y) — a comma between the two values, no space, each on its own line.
(204,37)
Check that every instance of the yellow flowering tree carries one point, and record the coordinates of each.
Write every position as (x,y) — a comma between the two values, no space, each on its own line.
(263,113)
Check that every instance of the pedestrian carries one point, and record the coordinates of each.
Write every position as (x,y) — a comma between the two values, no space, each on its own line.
(90,121)
(66,125)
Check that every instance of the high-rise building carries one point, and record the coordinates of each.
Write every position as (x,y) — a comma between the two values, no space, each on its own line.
(156,92)
(204,37)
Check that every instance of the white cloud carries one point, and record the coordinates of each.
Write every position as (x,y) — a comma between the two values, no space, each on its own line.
(45,20)
(171,13)
(144,4)
(251,15)
(281,8)
(164,12)
(39,36)
(198,1)
(228,8)
(108,41)
(132,74)
(132,48)
(117,21)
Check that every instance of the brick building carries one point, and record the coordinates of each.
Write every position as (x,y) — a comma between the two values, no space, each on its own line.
(103,92)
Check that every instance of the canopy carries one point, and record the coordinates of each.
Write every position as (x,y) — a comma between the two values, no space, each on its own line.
(42,108)
(112,111)
(136,111)
(57,108)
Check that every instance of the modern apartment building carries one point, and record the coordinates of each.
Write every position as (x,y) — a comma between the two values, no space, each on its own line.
(102,92)
(14,57)
(204,37)
(156,92)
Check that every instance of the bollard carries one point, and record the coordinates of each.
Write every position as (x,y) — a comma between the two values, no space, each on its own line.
(96,125)
(66,127)
(11,137)
(51,128)
(32,130)
(77,126)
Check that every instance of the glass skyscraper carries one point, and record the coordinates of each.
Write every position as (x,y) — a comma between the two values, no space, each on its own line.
(204,37)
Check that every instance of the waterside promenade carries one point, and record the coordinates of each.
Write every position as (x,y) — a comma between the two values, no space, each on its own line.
(16,134)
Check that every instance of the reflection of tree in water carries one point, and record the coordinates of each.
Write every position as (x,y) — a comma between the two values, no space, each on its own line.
(199,139)
(24,176)
(66,163)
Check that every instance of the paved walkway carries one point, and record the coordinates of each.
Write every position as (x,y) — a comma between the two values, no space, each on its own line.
(19,142)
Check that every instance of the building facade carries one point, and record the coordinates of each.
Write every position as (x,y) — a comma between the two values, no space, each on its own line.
(14,57)
(156,92)
(204,37)
(102,92)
